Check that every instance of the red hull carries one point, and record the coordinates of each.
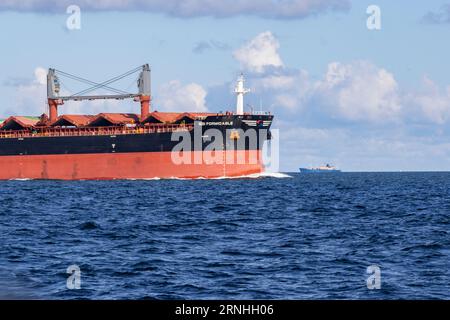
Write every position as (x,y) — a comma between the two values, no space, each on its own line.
(124,166)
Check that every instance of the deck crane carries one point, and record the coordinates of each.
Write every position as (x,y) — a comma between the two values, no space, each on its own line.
(143,96)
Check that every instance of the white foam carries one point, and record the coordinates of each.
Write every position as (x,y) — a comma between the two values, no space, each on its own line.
(145,179)
(277,175)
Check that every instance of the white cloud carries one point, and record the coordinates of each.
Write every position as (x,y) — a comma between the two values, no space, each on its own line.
(287,101)
(176,97)
(360,91)
(433,102)
(259,53)
(281,9)
(40,75)
(357,91)
(30,96)
(277,82)
(288,89)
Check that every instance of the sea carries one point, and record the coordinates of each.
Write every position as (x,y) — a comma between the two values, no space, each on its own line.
(274,236)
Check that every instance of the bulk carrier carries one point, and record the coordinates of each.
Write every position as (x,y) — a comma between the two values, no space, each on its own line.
(128,145)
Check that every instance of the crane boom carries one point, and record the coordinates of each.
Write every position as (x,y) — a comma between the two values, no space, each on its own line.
(143,85)
(100,97)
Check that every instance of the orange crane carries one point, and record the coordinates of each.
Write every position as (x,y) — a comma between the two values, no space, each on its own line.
(143,96)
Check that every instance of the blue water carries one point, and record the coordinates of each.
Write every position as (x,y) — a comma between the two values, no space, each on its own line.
(305,237)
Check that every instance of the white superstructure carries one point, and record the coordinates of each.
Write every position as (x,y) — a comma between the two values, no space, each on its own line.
(240,92)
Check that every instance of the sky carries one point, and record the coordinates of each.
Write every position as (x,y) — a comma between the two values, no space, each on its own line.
(341,93)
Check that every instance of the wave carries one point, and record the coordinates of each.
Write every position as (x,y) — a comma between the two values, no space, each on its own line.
(277,175)
(143,179)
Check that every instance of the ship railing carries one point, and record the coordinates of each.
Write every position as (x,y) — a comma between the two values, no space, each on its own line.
(94,131)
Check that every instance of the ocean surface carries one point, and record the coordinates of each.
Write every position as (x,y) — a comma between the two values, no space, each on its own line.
(281,237)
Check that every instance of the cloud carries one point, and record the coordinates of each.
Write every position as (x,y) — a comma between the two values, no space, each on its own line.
(203,46)
(30,95)
(280,9)
(283,88)
(352,93)
(432,102)
(176,97)
(40,75)
(259,53)
(359,91)
(282,81)
(438,17)
(355,91)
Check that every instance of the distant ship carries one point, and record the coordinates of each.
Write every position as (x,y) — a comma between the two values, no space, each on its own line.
(323,169)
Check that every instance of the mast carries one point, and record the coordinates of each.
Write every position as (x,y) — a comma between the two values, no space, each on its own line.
(53,88)
(145,90)
(240,92)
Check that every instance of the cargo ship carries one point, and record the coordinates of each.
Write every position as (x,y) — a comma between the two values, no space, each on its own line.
(147,145)
(322,169)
